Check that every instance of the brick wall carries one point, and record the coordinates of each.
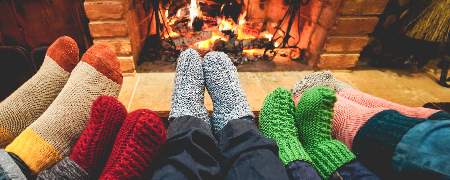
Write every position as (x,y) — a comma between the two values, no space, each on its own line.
(115,23)
(349,35)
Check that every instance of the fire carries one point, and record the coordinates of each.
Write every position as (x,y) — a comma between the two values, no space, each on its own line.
(194,11)
(241,34)
(226,24)
(207,44)
(267,35)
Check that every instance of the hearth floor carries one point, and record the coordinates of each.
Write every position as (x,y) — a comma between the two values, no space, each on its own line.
(153,89)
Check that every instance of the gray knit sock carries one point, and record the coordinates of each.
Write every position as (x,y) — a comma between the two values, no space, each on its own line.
(8,167)
(64,169)
(188,93)
(320,78)
(222,82)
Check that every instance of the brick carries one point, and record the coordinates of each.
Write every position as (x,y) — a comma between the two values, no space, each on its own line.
(108,29)
(122,46)
(127,64)
(345,44)
(102,10)
(354,25)
(337,61)
(362,7)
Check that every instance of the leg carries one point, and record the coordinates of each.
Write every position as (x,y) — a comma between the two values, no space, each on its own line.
(381,136)
(48,139)
(89,154)
(249,155)
(423,152)
(28,102)
(190,152)
(356,170)
(277,122)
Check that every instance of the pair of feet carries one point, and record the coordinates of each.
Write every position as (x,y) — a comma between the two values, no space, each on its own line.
(303,130)
(115,145)
(218,75)
(41,120)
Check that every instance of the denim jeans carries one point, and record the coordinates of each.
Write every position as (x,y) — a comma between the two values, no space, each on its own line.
(238,152)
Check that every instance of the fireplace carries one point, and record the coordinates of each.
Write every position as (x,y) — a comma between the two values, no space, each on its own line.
(295,33)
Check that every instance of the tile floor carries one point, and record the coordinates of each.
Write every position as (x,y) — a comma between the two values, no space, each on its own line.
(153,89)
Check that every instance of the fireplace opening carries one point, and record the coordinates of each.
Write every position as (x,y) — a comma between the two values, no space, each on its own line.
(267,34)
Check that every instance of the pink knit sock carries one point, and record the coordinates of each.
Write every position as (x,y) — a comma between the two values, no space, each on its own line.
(376,102)
(348,118)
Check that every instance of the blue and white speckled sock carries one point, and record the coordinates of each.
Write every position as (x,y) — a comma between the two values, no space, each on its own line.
(188,93)
(222,82)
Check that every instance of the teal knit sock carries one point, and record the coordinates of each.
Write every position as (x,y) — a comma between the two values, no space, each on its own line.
(313,119)
(277,122)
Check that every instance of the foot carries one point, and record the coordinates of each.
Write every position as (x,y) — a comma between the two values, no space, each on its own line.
(223,86)
(138,141)
(189,89)
(276,122)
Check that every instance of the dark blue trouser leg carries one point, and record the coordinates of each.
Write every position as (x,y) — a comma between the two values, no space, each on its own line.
(247,153)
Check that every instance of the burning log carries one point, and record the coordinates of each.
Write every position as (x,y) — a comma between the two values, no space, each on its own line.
(235,45)
(189,39)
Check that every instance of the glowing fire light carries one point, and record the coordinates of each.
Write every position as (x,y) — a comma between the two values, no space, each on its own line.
(194,11)
(226,24)
(267,35)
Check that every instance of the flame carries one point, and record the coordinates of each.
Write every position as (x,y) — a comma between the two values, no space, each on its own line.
(266,35)
(194,11)
(226,24)
(206,44)
(241,34)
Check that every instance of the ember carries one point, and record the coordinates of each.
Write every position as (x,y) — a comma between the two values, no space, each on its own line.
(233,27)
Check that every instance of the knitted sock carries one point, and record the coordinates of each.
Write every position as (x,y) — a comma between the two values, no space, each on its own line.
(51,136)
(188,94)
(321,78)
(93,147)
(377,140)
(376,102)
(276,122)
(348,118)
(139,139)
(222,82)
(313,120)
(28,102)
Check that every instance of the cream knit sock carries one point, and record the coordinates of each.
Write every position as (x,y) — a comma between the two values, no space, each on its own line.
(50,137)
(28,102)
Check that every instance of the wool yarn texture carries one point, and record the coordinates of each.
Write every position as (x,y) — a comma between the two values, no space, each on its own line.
(51,136)
(188,94)
(138,141)
(31,99)
(276,122)
(313,115)
(222,83)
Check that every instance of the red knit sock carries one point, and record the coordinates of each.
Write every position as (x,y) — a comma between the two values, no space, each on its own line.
(376,102)
(139,138)
(94,145)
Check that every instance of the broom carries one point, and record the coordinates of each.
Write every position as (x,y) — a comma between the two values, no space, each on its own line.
(432,24)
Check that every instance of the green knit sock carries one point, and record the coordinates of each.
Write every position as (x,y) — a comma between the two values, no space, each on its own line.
(277,122)
(313,119)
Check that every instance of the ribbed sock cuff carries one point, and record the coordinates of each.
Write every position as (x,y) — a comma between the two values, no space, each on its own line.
(34,151)
(375,142)
(290,149)
(328,156)
(64,169)
(440,115)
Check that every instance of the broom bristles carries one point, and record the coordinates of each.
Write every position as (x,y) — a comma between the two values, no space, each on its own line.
(433,23)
